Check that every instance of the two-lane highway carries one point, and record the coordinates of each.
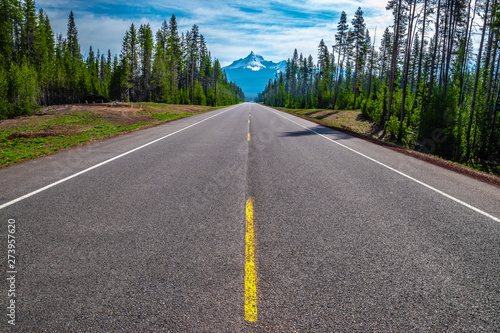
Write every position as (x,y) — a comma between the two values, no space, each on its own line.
(248,219)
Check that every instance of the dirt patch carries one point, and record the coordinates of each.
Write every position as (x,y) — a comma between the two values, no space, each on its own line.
(24,122)
(50,131)
(124,117)
(63,109)
(119,114)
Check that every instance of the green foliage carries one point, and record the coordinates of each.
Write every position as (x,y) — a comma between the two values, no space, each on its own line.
(23,90)
(344,99)
(36,69)
(392,126)
(199,95)
(451,109)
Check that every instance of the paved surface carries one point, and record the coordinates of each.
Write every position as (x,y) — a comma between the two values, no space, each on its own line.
(349,236)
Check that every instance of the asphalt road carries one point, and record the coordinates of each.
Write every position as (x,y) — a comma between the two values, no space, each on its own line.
(151,232)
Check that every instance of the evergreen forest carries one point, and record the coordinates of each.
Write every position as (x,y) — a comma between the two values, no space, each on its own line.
(40,68)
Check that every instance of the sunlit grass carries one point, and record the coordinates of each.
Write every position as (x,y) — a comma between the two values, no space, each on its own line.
(74,129)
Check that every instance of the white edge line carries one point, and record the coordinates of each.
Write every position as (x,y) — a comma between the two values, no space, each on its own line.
(396,171)
(7,204)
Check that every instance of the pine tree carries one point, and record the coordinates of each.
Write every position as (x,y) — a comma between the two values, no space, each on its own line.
(174,54)
(476,82)
(72,37)
(129,64)
(340,46)
(146,54)
(358,37)
(6,36)
(205,65)
(193,50)
(28,30)
(217,74)
(399,17)
(324,73)
(17,17)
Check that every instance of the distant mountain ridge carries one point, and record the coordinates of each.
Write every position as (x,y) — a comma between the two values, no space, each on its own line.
(256,62)
(253,72)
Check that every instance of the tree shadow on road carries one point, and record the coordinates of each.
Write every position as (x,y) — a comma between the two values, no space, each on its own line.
(319,130)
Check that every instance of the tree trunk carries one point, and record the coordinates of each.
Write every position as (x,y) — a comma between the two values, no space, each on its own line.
(476,81)
(371,68)
(406,66)
(488,112)
(434,52)
(419,73)
(463,62)
(394,58)
(331,87)
(355,79)
(445,41)
(339,78)
(451,40)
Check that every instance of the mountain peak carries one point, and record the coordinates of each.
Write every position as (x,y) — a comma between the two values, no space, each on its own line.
(254,62)
(253,72)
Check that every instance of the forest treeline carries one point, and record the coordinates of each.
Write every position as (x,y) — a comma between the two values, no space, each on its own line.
(38,68)
(432,81)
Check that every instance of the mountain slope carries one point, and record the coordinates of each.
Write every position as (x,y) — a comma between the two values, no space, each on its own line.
(253,73)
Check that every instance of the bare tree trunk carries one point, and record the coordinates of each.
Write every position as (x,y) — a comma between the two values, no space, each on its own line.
(451,40)
(192,81)
(496,108)
(339,77)
(394,58)
(331,87)
(406,66)
(468,32)
(415,102)
(371,68)
(476,81)
(434,51)
(355,80)
(491,71)
(445,42)
(488,111)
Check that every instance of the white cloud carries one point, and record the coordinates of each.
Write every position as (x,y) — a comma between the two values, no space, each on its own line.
(231,30)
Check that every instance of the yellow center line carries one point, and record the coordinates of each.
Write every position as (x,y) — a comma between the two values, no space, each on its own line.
(248,136)
(250,269)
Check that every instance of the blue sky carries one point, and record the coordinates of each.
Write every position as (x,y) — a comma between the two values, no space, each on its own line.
(232,28)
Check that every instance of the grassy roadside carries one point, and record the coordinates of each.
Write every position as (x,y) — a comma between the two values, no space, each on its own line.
(344,119)
(61,128)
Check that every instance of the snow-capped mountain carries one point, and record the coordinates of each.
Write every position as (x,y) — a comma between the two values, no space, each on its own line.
(253,73)
(256,63)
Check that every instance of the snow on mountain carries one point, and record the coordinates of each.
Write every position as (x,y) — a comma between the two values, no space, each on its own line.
(253,73)
(255,63)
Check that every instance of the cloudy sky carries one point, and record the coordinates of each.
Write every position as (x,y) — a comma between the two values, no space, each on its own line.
(232,28)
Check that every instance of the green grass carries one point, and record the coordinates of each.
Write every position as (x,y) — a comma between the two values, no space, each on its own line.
(91,127)
(166,116)
(20,149)
(352,120)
